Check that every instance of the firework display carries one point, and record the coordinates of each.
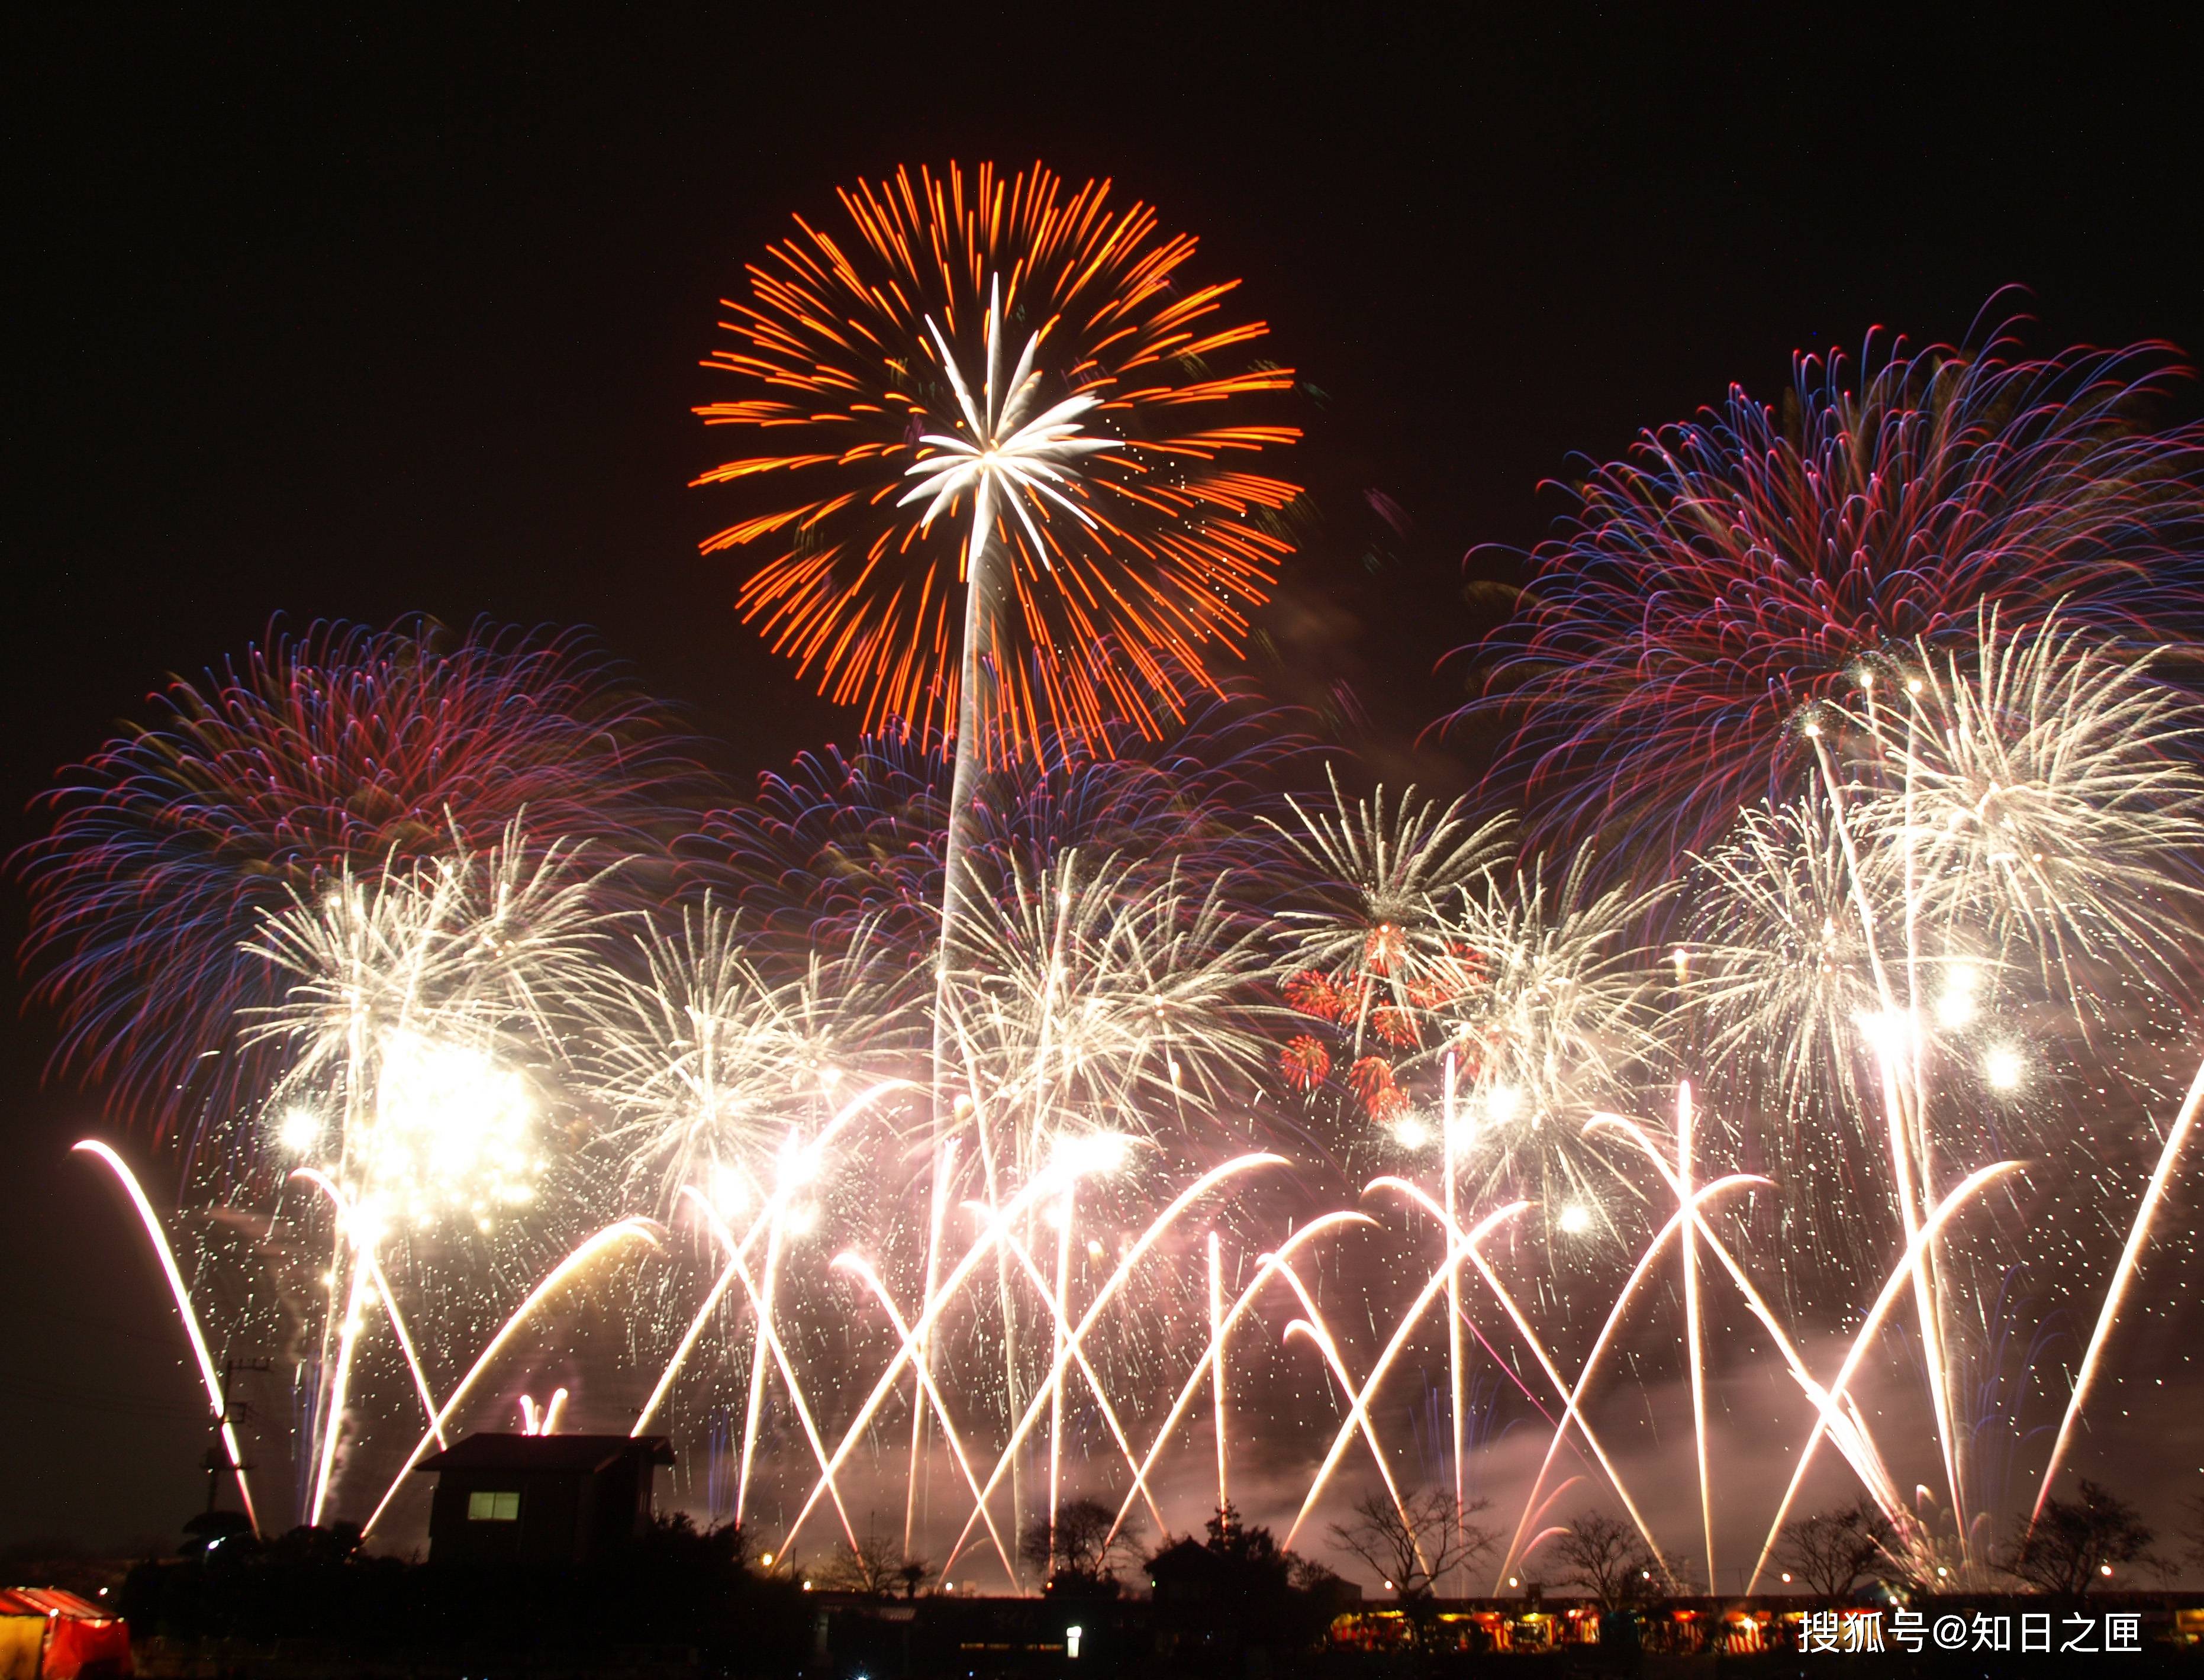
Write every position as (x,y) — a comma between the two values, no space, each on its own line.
(1247,1141)
(994,386)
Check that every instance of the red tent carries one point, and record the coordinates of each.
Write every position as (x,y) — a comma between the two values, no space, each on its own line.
(80,1638)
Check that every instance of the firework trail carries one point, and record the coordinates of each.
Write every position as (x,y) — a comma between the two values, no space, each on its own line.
(1084,1160)
(2139,1232)
(1738,566)
(803,1170)
(217,1401)
(575,1264)
(343,747)
(1829,1400)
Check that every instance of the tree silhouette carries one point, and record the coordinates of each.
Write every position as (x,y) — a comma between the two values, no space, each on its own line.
(1606,1560)
(1083,1554)
(1829,1551)
(1221,1600)
(875,1566)
(2072,1545)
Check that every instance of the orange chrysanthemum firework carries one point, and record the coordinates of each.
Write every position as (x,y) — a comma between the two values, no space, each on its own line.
(882,386)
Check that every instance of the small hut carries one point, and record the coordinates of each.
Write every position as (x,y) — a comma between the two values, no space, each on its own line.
(554,1501)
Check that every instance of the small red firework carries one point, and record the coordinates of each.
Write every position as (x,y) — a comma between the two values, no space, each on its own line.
(1396,1026)
(1315,994)
(1305,1063)
(1385,949)
(1371,1078)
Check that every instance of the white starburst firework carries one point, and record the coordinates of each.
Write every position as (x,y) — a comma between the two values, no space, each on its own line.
(1006,453)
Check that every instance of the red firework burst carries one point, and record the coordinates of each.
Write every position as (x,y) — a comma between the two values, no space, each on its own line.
(1319,995)
(1386,948)
(1394,1025)
(1303,1062)
(1371,1078)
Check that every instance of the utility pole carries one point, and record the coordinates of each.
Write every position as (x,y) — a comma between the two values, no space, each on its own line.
(216,1461)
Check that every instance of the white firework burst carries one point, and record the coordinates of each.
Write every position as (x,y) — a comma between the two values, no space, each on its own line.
(1085,997)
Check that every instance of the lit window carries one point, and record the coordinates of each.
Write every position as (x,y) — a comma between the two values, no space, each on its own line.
(493,1507)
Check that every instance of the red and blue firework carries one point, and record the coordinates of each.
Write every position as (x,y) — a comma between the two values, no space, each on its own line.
(1736,567)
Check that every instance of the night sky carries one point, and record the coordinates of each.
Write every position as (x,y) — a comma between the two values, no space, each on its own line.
(349,320)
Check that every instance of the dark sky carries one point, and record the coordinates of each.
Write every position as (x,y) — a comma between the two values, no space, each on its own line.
(355,319)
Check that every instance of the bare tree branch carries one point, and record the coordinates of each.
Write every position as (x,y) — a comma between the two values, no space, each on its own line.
(876,1565)
(1607,1559)
(1085,1552)
(2074,1544)
(1829,1551)
(1414,1546)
